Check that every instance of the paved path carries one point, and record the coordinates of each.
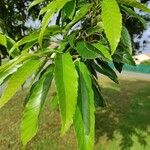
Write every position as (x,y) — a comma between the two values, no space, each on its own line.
(128,74)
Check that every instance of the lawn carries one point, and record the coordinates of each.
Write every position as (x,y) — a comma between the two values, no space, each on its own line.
(124,124)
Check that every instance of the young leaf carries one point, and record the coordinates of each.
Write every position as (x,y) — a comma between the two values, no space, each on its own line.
(17,79)
(36,99)
(66,83)
(84,119)
(112,22)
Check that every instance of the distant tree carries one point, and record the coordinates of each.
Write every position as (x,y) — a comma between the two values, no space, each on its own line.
(14,14)
(13,18)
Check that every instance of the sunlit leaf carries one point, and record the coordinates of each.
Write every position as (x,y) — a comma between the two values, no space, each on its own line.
(54,7)
(17,79)
(112,22)
(103,49)
(84,119)
(4,75)
(66,82)
(33,37)
(36,99)
(86,50)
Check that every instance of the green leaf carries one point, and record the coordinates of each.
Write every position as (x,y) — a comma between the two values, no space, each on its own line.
(103,49)
(6,65)
(105,69)
(134,3)
(66,83)
(62,46)
(126,40)
(54,7)
(10,44)
(71,39)
(27,47)
(3,40)
(84,119)
(123,56)
(33,108)
(17,79)
(132,13)
(99,100)
(33,37)
(27,39)
(118,66)
(4,75)
(16,61)
(79,15)
(69,9)
(86,50)
(112,22)
(127,58)
(35,2)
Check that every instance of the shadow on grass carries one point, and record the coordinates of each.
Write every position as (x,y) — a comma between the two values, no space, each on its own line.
(127,116)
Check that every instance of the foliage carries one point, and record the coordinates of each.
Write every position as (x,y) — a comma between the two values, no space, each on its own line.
(14,18)
(90,35)
(147,63)
(14,15)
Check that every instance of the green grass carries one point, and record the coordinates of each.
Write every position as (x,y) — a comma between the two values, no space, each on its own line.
(124,124)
